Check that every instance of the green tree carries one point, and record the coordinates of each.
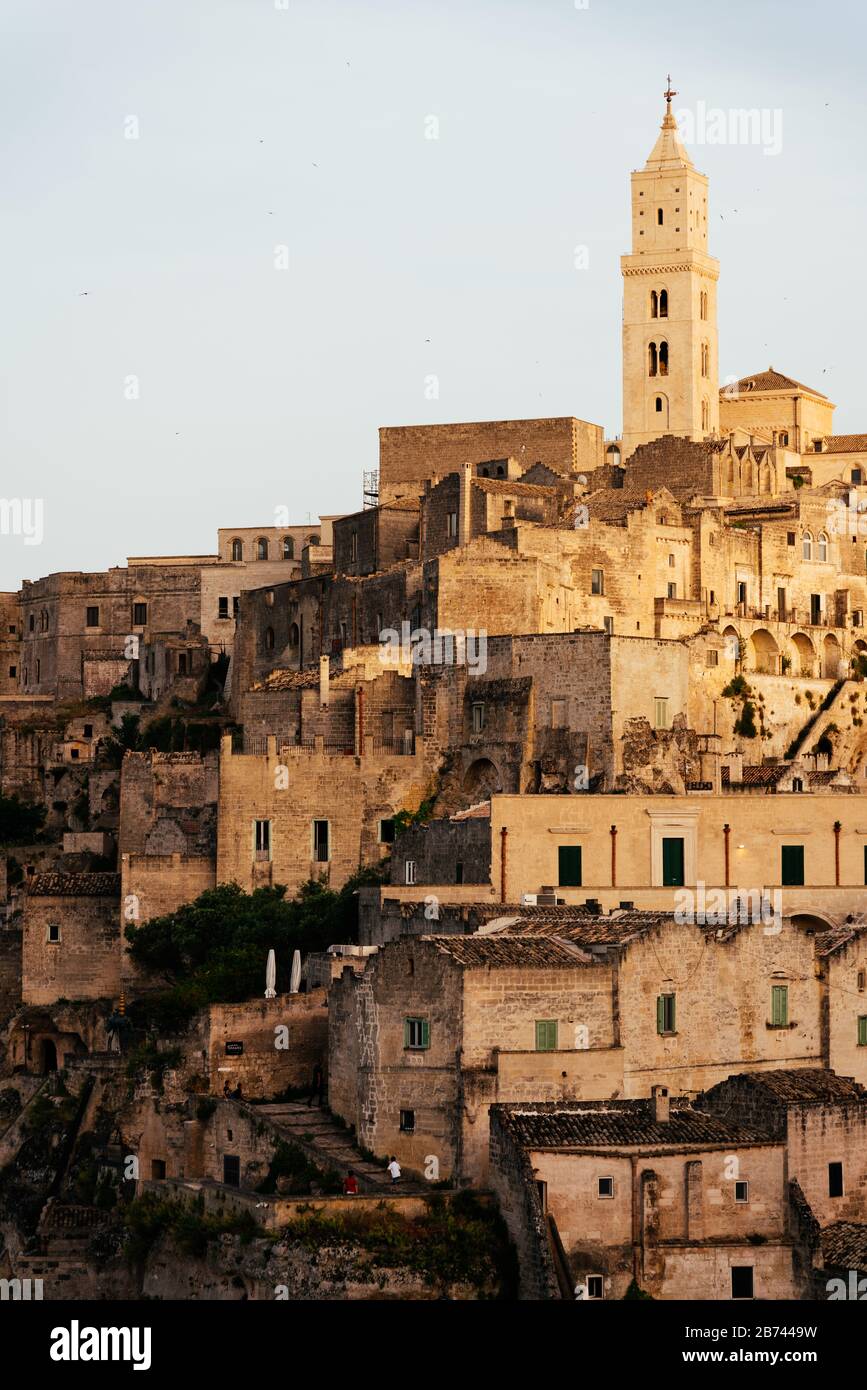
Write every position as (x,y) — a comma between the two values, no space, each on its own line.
(19,823)
(213,950)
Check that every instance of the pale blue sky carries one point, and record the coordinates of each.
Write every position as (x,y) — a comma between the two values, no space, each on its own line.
(305,127)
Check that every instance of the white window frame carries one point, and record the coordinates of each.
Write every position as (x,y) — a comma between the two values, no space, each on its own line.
(605,1196)
(409,868)
(663,826)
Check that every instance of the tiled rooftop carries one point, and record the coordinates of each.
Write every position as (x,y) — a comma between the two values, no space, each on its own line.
(806,1086)
(498,952)
(845,1245)
(767,381)
(845,444)
(74,886)
(594,1124)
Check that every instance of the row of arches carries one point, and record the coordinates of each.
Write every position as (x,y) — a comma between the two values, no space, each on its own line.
(821,553)
(657,359)
(748,477)
(262,547)
(659,304)
(764,655)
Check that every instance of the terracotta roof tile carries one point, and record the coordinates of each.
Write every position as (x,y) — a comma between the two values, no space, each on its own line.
(504,952)
(845,1245)
(845,444)
(594,1124)
(767,381)
(74,886)
(806,1086)
(480,811)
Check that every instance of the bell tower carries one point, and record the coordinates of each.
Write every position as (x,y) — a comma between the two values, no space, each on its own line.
(670,362)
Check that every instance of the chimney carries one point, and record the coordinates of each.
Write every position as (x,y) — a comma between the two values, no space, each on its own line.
(323,680)
(661,1104)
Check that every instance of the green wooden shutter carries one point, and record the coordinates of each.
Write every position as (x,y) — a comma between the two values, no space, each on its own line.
(792,861)
(546,1035)
(569,866)
(780,1005)
(862,1031)
(666,1020)
(425,1033)
(672,863)
(406,1032)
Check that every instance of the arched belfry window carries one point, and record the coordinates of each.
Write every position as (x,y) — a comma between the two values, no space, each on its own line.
(705,360)
(823,547)
(807,546)
(702,302)
(237,550)
(659,405)
(705,414)
(663,304)
(654,304)
(261,548)
(663,359)
(652,360)
(288,548)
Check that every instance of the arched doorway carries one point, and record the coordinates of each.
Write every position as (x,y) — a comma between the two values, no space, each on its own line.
(47,1057)
(831,657)
(481,779)
(805,654)
(764,653)
(733,643)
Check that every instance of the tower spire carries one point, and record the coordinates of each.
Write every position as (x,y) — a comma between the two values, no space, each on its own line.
(669,151)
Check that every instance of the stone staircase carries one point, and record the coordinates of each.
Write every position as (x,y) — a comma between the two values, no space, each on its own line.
(324,1141)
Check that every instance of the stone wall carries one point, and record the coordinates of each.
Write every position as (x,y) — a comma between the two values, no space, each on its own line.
(408,455)
(296,788)
(168,804)
(85,963)
(513,1182)
(282,1041)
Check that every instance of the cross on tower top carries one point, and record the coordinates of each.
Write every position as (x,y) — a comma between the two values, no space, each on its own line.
(669,93)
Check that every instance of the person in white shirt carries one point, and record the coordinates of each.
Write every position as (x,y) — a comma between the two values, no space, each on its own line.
(394,1169)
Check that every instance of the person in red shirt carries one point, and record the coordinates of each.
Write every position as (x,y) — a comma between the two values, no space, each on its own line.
(350,1185)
